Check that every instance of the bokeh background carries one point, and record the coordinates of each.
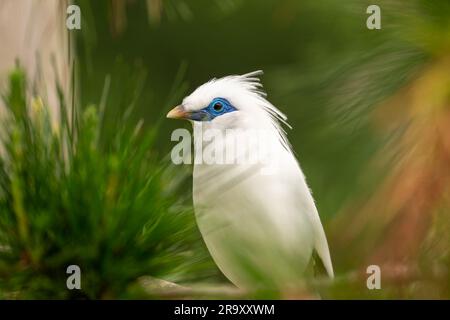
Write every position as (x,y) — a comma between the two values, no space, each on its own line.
(370,111)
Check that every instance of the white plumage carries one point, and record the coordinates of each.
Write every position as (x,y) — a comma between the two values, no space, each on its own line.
(258,219)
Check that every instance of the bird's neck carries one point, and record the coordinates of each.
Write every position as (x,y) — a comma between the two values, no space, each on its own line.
(245,145)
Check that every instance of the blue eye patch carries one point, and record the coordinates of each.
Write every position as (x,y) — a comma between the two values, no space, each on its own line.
(217,107)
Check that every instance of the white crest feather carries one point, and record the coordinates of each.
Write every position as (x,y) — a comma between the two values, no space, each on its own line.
(243,91)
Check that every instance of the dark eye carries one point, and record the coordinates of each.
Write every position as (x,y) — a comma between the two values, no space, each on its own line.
(218,106)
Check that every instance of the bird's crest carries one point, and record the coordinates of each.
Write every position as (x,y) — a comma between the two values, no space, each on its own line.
(247,88)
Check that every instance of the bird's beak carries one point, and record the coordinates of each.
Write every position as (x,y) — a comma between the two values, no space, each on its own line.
(178,113)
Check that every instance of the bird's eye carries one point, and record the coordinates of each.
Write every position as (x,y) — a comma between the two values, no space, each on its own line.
(218,107)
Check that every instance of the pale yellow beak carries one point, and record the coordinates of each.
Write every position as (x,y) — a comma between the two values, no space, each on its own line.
(177,113)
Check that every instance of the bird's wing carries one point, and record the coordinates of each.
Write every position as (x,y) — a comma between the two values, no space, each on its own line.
(320,242)
(294,175)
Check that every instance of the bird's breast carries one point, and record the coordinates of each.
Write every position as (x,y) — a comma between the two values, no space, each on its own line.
(250,210)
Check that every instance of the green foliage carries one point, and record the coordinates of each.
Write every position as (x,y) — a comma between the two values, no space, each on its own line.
(69,194)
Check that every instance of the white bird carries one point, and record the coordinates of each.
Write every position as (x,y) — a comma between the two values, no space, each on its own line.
(257,218)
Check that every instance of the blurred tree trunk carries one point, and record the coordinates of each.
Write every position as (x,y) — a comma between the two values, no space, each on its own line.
(412,203)
(420,181)
(34,33)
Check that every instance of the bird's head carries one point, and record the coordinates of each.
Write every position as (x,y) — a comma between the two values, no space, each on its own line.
(229,102)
